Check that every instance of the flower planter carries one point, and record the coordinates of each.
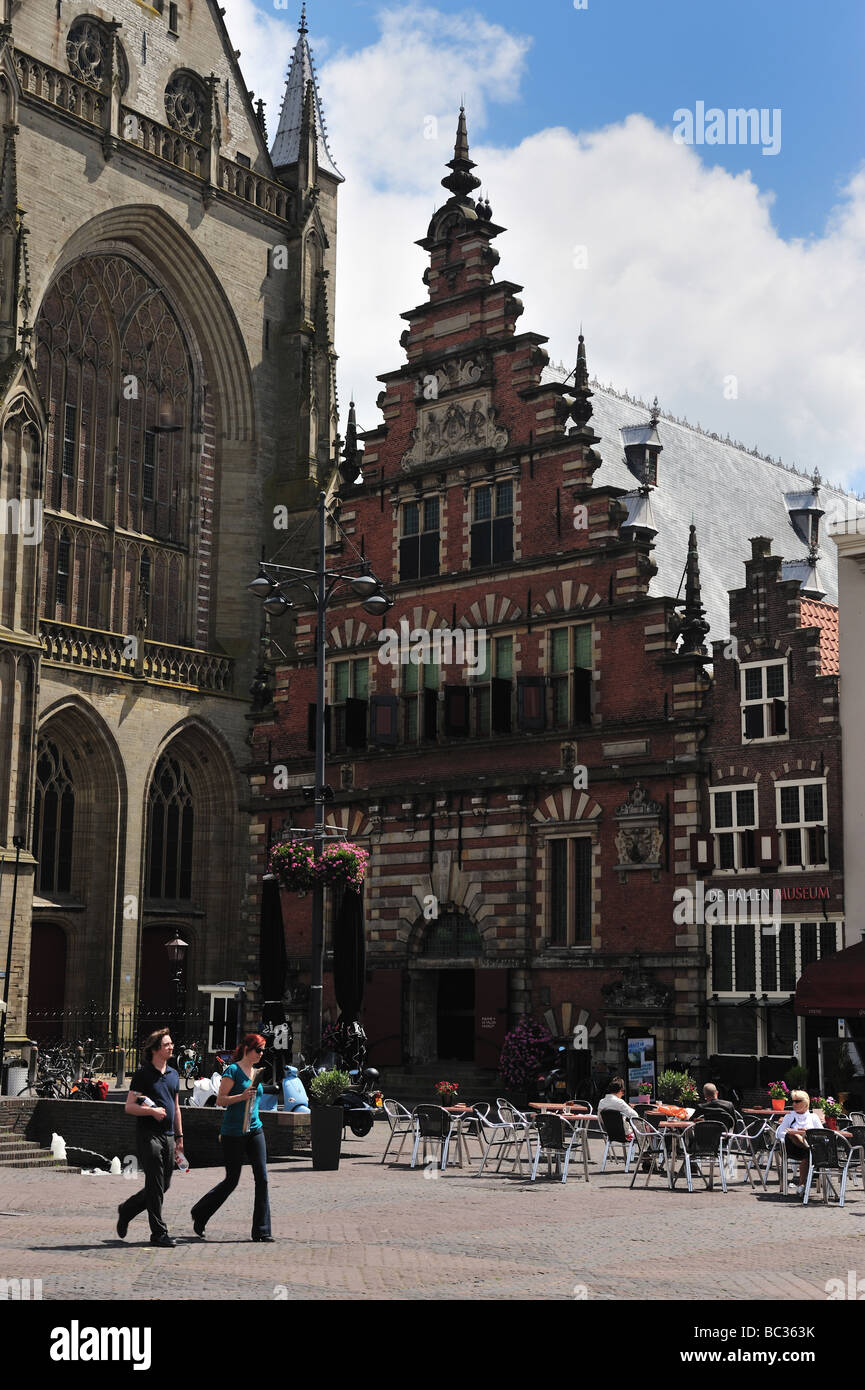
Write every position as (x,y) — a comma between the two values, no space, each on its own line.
(831,1122)
(778,1104)
(326,1133)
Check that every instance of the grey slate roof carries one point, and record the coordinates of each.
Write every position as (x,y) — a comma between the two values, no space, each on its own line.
(286,145)
(728,493)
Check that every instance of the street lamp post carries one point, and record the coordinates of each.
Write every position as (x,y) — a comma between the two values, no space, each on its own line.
(321,584)
(176,949)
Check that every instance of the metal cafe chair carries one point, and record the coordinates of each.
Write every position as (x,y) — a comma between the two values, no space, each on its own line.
(557,1139)
(613,1126)
(401,1123)
(857,1139)
(506,1140)
(470,1123)
(752,1142)
(702,1145)
(829,1153)
(651,1152)
(434,1126)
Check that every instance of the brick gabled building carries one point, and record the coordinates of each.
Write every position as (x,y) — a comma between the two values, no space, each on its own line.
(542,803)
(773,812)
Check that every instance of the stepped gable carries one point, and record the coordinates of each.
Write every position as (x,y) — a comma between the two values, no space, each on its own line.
(732,494)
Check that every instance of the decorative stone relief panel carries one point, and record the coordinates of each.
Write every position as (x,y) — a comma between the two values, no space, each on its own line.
(457,427)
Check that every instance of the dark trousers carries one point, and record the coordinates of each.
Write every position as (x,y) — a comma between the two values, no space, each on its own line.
(235,1148)
(156,1156)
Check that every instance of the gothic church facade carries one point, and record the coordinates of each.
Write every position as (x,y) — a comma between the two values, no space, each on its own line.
(166,383)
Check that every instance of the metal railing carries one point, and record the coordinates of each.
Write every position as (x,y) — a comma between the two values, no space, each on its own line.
(123,1031)
(58,89)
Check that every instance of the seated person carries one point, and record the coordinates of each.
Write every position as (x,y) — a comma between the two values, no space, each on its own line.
(613,1100)
(712,1108)
(791,1130)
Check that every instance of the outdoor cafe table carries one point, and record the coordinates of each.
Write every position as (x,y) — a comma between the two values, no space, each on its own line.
(554,1106)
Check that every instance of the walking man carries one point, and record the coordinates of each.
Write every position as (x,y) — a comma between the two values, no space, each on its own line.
(153,1101)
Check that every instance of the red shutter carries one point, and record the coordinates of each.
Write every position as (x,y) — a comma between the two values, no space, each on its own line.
(702,855)
(491,1015)
(382,1017)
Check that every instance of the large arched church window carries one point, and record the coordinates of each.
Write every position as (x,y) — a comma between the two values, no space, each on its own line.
(170,830)
(452,934)
(54,820)
(88,53)
(113,363)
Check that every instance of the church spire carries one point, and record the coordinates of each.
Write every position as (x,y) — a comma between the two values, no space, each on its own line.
(461,181)
(694,625)
(288,145)
(352,456)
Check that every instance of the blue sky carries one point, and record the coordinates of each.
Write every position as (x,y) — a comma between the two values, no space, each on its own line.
(699,264)
(589,68)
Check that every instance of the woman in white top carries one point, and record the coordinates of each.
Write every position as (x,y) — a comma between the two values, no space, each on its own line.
(792,1127)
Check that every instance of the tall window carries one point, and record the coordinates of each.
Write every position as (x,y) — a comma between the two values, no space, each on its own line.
(802,824)
(420,686)
(70,440)
(148,470)
(734,820)
(750,959)
(570,667)
(570,893)
(61,577)
(764,701)
(54,820)
(419,545)
(170,828)
(350,703)
(492,525)
(144,571)
(494,698)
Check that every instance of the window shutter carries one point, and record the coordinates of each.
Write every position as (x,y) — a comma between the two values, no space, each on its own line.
(749,850)
(383,710)
(503,540)
(456,711)
(582,696)
(409,553)
(702,856)
(753,721)
(355,723)
(429,553)
(430,714)
(310,728)
(500,706)
(779,716)
(767,849)
(530,702)
(480,544)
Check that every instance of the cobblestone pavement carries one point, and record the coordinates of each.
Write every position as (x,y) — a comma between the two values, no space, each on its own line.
(386,1232)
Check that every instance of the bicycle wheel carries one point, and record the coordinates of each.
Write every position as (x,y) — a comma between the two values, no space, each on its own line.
(97,1062)
(189,1075)
(29,1093)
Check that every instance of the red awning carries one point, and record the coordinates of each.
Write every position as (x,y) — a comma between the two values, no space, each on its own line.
(834,987)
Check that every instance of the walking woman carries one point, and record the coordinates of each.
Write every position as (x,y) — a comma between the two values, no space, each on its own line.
(242,1137)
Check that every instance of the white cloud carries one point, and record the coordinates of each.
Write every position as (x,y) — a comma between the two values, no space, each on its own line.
(687,282)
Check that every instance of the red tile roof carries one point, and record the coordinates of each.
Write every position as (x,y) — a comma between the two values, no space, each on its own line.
(824,616)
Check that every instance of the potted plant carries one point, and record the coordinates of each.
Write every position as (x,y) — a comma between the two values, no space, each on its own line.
(342,863)
(293,863)
(779,1094)
(326,1117)
(644,1092)
(797,1078)
(818,1106)
(668,1086)
(447,1092)
(832,1112)
(688,1094)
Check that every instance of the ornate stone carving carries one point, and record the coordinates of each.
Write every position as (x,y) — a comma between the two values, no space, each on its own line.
(456,373)
(636,991)
(639,837)
(461,425)
(186,105)
(88,52)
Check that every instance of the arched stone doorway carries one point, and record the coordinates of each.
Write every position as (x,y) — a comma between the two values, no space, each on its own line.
(46,990)
(457,1000)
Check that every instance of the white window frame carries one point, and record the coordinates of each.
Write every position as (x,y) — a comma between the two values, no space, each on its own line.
(570,943)
(352,662)
(484,680)
(801,825)
(735,829)
(765,702)
(553,676)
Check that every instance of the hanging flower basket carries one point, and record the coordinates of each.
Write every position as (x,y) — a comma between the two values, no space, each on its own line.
(294,865)
(343,863)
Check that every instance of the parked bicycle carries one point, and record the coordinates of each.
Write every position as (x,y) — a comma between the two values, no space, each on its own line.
(190,1063)
(49,1084)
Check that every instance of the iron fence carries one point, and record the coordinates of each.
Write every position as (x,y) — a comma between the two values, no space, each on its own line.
(94,1030)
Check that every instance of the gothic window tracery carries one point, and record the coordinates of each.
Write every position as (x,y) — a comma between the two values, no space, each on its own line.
(114,365)
(170,830)
(186,105)
(88,53)
(54,820)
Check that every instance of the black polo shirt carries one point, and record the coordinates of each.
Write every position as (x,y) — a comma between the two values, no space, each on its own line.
(161,1088)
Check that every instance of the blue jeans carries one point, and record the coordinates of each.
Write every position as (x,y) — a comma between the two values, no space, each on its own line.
(235,1148)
